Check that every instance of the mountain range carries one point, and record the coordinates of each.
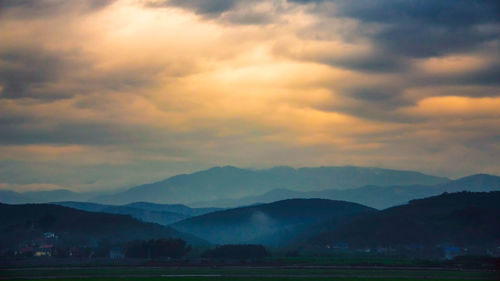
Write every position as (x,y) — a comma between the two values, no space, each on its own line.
(468,220)
(45,196)
(379,197)
(232,182)
(148,212)
(229,187)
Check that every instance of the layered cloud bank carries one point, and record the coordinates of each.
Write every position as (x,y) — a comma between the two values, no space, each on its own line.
(97,94)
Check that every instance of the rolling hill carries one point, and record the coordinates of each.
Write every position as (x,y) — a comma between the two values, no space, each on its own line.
(231,182)
(464,218)
(174,208)
(24,222)
(272,224)
(160,217)
(379,197)
(158,213)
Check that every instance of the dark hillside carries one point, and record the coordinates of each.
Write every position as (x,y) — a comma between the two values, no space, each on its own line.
(463,218)
(273,224)
(22,222)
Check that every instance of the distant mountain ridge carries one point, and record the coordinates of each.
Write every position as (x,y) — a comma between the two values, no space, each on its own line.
(379,197)
(44,196)
(148,212)
(232,182)
(160,217)
(174,208)
(275,223)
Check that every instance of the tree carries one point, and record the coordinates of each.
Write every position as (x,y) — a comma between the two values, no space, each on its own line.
(237,252)
(166,247)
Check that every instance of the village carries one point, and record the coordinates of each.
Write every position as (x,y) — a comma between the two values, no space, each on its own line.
(49,244)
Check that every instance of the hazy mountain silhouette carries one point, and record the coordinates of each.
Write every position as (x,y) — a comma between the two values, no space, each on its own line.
(379,197)
(160,217)
(26,221)
(174,208)
(232,182)
(11,197)
(476,183)
(463,218)
(272,224)
(149,212)
(44,196)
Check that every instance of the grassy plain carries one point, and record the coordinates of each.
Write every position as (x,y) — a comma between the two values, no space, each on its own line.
(242,274)
(254,278)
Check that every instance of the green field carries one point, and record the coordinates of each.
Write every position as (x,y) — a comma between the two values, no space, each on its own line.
(254,278)
(346,260)
(241,273)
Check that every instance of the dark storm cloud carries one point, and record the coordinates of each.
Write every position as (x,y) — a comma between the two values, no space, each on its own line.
(413,28)
(247,18)
(401,31)
(380,102)
(28,130)
(447,12)
(44,8)
(232,11)
(421,28)
(25,71)
(212,8)
(380,62)
(384,96)
(488,76)
(374,102)
(418,40)
(33,72)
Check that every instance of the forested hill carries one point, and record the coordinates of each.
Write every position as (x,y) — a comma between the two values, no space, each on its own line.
(21,222)
(464,218)
(272,224)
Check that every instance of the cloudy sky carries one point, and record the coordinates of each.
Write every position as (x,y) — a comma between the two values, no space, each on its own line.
(101,94)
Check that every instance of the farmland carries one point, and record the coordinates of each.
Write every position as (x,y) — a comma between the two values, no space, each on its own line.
(295,273)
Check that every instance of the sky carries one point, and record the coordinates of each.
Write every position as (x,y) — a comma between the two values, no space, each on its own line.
(105,94)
